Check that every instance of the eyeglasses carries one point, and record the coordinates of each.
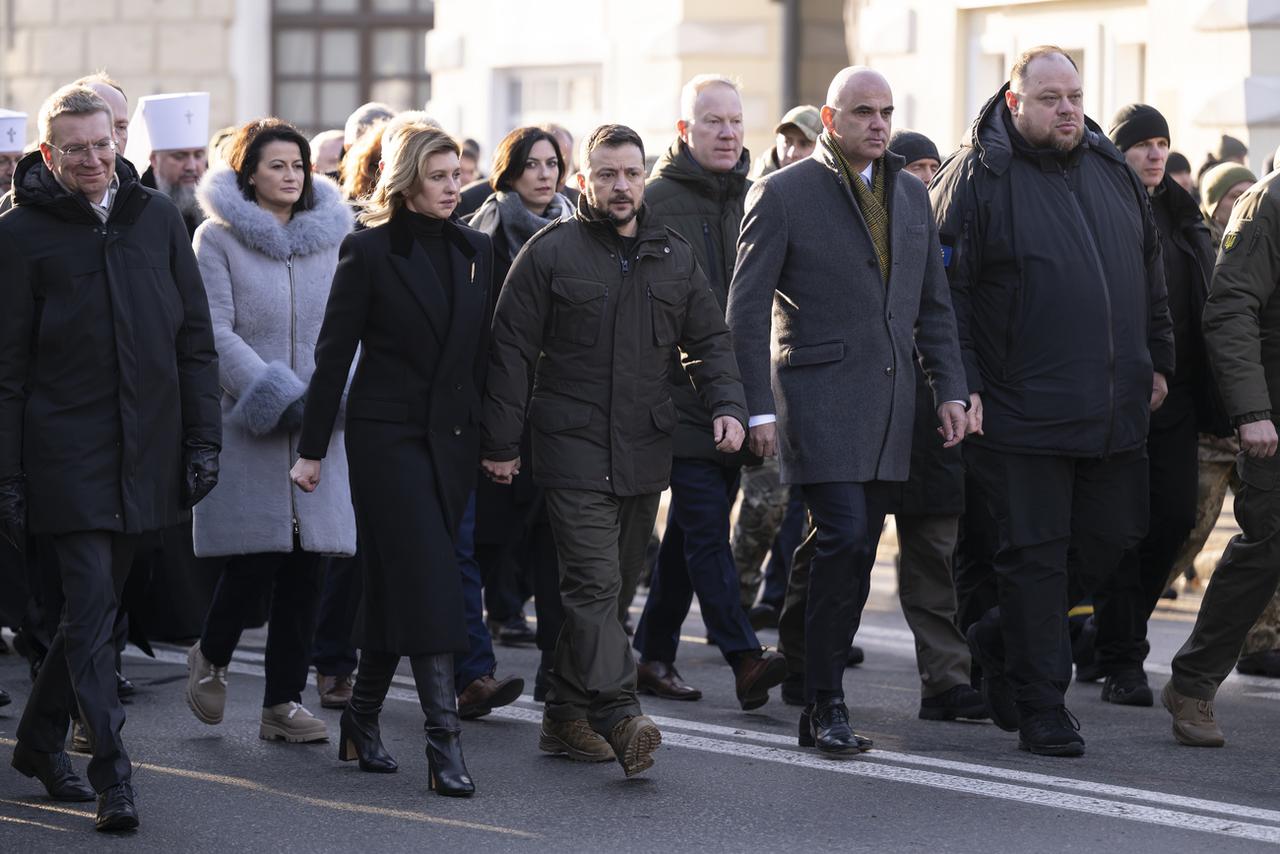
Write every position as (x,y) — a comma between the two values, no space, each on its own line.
(81,153)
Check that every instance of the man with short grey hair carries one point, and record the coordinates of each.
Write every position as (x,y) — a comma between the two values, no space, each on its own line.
(839,283)
(107,356)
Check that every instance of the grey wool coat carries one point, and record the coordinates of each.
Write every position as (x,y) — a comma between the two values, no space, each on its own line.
(268,285)
(836,366)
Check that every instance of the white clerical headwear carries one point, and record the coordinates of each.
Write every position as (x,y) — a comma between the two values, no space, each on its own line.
(167,123)
(13,131)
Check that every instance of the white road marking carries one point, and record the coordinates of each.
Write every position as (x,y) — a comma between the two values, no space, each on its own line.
(1099,799)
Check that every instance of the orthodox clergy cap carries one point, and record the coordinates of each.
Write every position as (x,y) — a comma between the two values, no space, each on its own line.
(168,122)
(13,131)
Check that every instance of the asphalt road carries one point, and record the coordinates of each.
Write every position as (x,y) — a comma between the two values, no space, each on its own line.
(724,780)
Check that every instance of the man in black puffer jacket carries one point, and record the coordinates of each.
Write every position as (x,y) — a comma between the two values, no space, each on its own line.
(698,189)
(1058,287)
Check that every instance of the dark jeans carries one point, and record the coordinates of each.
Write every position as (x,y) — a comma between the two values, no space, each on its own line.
(1063,524)
(1241,586)
(790,534)
(1123,606)
(333,652)
(80,667)
(295,579)
(847,520)
(600,538)
(479,659)
(696,558)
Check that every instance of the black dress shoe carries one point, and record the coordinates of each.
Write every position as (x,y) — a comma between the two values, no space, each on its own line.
(1051,732)
(515,632)
(856,656)
(828,729)
(54,771)
(124,688)
(763,616)
(996,690)
(1127,688)
(1265,663)
(959,703)
(115,809)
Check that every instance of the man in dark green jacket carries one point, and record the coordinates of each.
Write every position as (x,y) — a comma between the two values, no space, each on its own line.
(697,190)
(591,310)
(1242,335)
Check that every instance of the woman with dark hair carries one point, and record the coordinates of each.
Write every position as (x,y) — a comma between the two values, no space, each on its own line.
(267,254)
(412,291)
(513,543)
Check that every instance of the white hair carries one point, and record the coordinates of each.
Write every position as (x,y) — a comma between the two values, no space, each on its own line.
(689,94)
(400,120)
(321,138)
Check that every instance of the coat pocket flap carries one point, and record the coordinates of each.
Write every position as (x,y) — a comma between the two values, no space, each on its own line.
(816,354)
(672,291)
(664,416)
(377,410)
(553,416)
(1260,474)
(576,291)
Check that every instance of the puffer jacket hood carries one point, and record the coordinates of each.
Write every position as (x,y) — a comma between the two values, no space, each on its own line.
(677,164)
(989,136)
(320,227)
(34,185)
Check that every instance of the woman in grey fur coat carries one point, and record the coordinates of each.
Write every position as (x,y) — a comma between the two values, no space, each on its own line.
(267,254)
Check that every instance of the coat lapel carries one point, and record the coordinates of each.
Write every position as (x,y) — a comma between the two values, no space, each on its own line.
(411,264)
(467,297)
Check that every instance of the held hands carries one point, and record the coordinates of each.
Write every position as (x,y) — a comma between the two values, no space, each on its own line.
(1159,390)
(306,474)
(1258,438)
(764,440)
(955,423)
(501,472)
(728,433)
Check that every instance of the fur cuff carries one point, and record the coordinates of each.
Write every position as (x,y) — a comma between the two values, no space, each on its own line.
(266,399)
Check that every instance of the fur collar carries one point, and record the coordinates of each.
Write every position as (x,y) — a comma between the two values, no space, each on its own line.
(308,232)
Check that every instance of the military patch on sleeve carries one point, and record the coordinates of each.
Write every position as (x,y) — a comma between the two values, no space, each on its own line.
(1230,240)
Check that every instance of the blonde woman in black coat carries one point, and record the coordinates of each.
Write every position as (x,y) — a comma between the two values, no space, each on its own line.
(413,291)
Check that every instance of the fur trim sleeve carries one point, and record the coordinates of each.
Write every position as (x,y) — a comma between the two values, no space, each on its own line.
(266,399)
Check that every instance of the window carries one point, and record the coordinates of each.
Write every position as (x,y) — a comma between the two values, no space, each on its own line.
(331,56)
(569,95)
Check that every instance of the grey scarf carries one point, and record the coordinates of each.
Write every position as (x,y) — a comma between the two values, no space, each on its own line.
(505,210)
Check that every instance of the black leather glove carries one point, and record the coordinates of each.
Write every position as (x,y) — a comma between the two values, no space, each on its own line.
(201,474)
(13,511)
(291,419)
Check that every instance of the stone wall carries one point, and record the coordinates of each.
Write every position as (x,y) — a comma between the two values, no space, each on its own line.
(149,46)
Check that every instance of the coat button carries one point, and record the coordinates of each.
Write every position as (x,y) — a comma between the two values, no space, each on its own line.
(666,250)
(888,372)
(458,387)
(457,431)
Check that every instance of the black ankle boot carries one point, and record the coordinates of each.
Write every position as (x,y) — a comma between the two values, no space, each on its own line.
(360,736)
(434,677)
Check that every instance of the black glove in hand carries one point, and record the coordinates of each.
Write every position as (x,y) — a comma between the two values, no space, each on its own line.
(13,511)
(201,474)
(291,418)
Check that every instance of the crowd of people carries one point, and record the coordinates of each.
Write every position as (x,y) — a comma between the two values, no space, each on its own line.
(390,401)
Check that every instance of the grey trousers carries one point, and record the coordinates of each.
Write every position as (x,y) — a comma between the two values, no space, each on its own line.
(601,538)
(80,667)
(1241,586)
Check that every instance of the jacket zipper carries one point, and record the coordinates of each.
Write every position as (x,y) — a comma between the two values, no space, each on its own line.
(1106,299)
(293,337)
(712,274)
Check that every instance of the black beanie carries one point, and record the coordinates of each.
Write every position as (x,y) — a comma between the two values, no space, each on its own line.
(1135,122)
(1177,162)
(912,146)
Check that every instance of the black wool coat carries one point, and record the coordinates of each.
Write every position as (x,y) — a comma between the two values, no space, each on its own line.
(412,428)
(107,361)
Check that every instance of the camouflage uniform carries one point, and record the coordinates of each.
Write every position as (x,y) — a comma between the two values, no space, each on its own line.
(764,503)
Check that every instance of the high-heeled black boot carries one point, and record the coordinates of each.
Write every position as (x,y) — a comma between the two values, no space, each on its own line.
(434,676)
(360,736)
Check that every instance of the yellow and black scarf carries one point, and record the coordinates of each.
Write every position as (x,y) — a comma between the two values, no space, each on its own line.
(871,200)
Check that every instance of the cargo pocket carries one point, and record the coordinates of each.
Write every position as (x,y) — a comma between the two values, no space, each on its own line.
(1257,507)
(664,416)
(666,304)
(577,309)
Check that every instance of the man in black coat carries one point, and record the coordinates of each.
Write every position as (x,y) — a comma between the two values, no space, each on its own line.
(1124,606)
(1058,288)
(109,418)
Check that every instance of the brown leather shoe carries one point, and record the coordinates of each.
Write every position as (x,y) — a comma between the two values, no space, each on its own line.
(334,691)
(663,680)
(755,676)
(485,694)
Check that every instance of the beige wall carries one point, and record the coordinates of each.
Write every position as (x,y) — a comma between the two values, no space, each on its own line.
(150,46)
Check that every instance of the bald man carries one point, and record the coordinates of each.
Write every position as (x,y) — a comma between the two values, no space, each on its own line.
(840,250)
